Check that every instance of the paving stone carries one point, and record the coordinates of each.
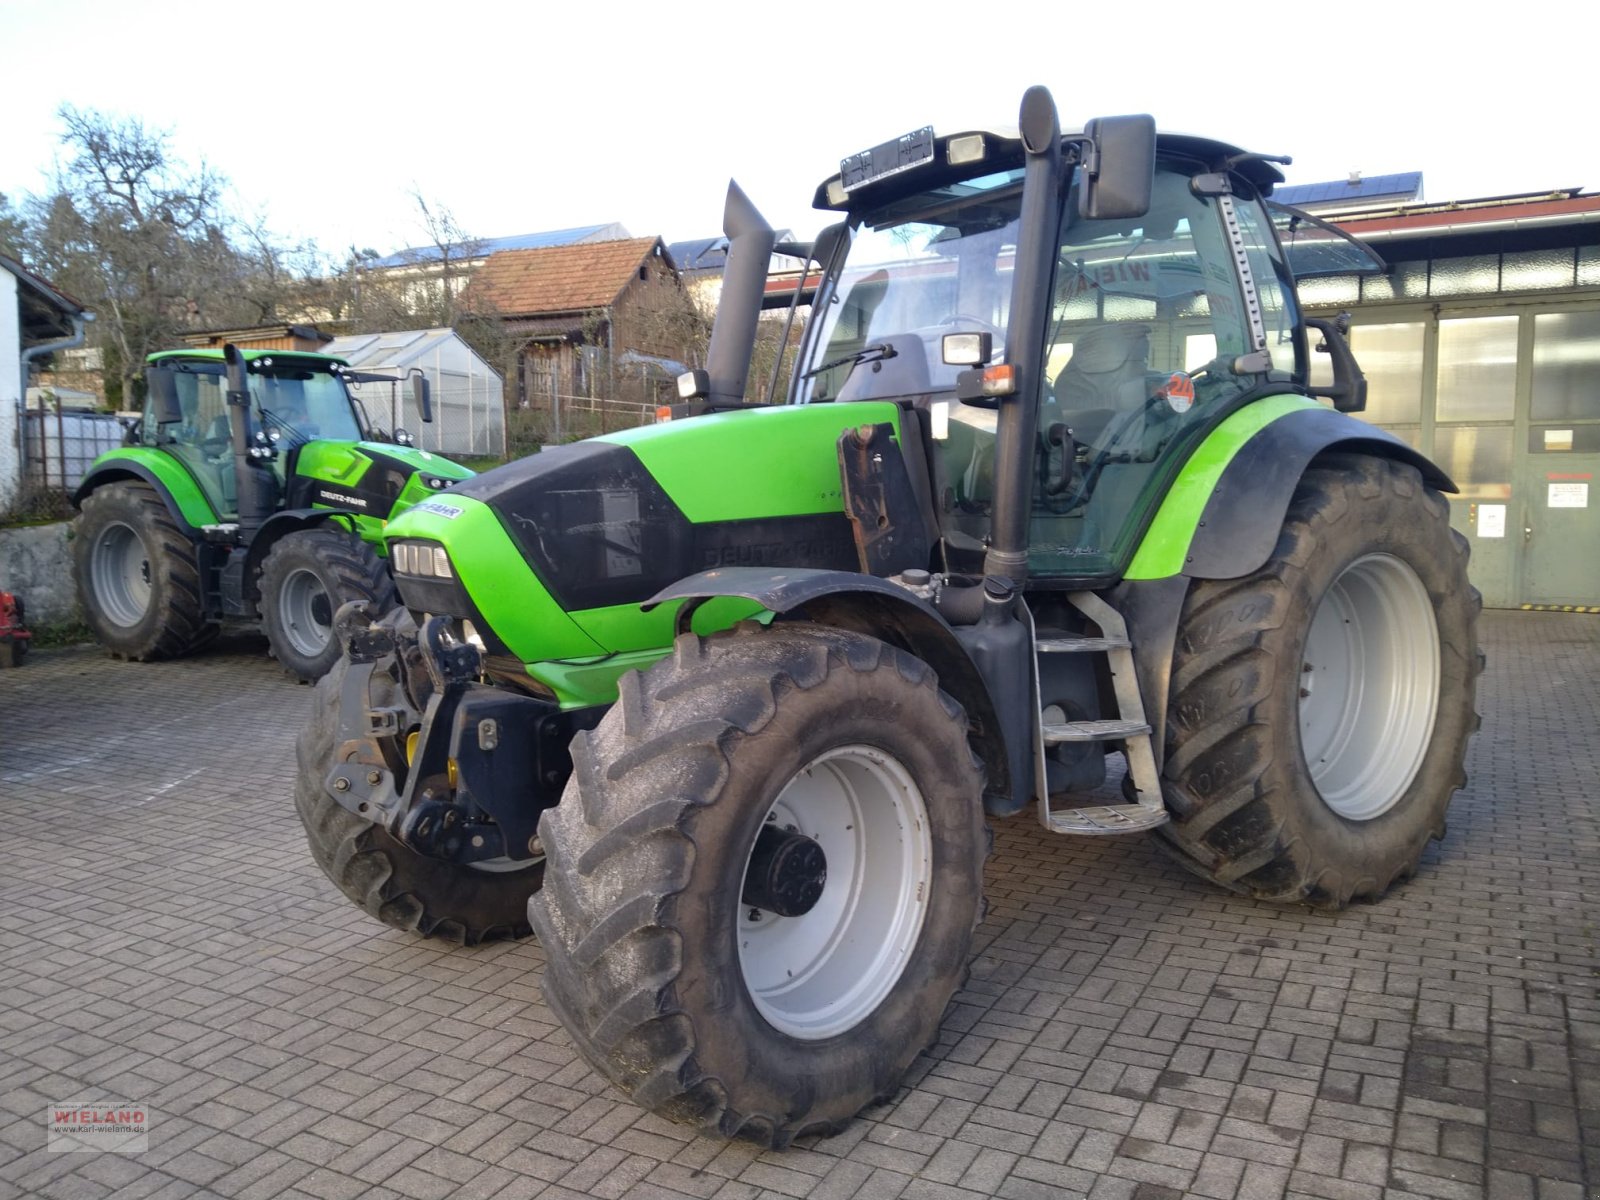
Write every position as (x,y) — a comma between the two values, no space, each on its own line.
(1129,1033)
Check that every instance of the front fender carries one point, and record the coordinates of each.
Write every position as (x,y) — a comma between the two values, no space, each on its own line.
(869,605)
(1222,516)
(287,521)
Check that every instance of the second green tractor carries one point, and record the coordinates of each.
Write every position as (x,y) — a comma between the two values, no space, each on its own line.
(720,708)
(254,488)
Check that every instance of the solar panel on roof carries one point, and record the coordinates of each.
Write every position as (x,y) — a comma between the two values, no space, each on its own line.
(1404,183)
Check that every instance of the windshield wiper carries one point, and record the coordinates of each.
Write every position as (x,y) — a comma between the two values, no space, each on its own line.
(875,353)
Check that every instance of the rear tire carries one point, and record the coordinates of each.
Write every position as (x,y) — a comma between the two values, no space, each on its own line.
(725,1017)
(305,577)
(137,574)
(1320,708)
(383,876)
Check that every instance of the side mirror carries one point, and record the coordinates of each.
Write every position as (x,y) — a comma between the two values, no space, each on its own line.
(1119,168)
(238,379)
(827,243)
(1349,388)
(161,396)
(420,395)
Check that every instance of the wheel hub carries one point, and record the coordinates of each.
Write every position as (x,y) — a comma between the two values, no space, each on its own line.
(1369,687)
(865,891)
(786,873)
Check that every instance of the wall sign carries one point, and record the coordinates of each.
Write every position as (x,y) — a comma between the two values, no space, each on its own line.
(1568,495)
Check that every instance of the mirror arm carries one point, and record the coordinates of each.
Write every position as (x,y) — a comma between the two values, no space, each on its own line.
(1349,388)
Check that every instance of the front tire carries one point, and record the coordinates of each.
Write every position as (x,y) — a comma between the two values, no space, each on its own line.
(137,574)
(305,577)
(701,1005)
(385,877)
(1320,708)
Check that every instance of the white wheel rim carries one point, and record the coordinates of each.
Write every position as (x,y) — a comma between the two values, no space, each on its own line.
(119,573)
(824,972)
(1369,687)
(301,615)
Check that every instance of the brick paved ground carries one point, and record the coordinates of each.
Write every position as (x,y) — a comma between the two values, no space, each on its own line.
(1128,1032)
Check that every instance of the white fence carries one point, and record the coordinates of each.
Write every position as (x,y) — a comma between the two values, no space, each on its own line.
(60,445)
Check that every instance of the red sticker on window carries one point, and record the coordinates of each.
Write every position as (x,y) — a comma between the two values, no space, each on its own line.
(1179,391)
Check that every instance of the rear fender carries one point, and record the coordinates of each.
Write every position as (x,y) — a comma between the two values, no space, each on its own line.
(1221,521)
(185,502)
(875,607)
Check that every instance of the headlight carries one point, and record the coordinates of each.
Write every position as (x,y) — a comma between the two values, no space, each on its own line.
(426,560)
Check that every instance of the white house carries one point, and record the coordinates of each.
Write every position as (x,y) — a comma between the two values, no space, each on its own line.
(35,319)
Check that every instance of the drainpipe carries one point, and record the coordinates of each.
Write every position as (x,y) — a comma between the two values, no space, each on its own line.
(79,323)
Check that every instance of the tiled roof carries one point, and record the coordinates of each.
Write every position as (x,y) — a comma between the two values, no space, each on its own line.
(559,279)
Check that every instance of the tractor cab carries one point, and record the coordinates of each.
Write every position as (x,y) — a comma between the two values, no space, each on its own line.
(295,399)
(1156,325)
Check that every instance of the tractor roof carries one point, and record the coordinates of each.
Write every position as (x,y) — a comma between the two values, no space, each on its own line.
(1003,150)
(215,355)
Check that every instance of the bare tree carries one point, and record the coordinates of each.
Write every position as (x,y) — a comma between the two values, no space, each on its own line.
(148,243)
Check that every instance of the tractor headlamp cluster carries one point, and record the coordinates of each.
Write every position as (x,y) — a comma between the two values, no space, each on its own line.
(427,560)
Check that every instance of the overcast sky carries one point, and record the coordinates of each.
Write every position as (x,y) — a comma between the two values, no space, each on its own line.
(526,117)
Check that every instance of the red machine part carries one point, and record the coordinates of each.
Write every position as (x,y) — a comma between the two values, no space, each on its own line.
(14,635)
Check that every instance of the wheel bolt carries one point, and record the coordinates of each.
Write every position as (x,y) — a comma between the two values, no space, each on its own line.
(341,784)
(373,777)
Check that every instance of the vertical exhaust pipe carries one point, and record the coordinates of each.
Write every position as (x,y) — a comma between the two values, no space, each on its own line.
(254,497)
(744,280)
(1017,419)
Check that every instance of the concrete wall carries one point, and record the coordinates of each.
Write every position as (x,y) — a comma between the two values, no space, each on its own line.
(36,564)
(10,390)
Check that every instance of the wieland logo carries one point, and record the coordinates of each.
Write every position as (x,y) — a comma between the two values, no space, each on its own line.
(78,1127)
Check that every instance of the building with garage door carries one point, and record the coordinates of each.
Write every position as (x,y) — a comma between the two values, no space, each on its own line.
(1481,345)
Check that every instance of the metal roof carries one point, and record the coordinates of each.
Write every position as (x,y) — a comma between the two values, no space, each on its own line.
(1373,187)
(523,241)
(400,348)
(700,254)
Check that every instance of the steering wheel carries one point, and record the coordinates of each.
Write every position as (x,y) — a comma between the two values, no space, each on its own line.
(974,325)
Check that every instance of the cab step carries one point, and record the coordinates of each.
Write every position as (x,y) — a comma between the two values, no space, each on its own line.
(1093,731)
(1079,645)
(1129,726)
(1106,820)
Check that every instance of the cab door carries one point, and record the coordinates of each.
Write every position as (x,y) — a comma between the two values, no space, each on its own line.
(202,440)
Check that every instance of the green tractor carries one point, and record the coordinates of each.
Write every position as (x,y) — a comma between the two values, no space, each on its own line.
(720,707)
(251,489)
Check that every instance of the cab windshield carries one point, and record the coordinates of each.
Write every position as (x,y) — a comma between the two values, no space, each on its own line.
(930,264)
(303,403)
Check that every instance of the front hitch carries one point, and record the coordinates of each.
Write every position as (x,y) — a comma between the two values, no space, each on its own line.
(455,769)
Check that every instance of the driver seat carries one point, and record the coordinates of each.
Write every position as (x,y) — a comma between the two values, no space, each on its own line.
(1105,377)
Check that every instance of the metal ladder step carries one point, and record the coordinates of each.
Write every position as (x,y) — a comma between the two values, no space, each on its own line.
(1130,726)
(1079,645)
(1107,819)
(1093,731)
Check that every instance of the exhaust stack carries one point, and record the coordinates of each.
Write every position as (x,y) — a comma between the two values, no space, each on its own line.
(744,279)
(250,478)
